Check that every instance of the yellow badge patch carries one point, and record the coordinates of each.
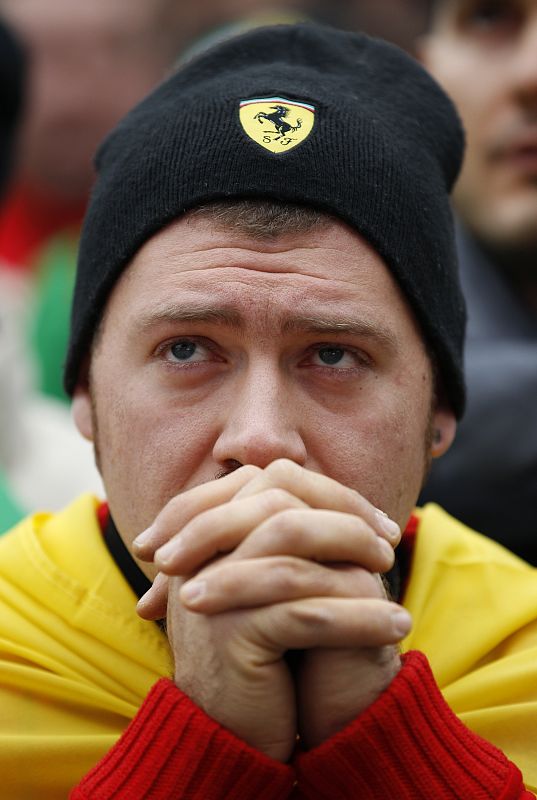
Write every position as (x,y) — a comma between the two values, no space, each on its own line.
(275,123)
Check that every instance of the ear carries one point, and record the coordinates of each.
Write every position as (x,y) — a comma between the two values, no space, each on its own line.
(81,406)
(444,429)
(421,48)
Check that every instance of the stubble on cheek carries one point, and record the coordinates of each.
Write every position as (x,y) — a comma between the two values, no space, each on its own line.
(416,452)
(95,426)
(107,415)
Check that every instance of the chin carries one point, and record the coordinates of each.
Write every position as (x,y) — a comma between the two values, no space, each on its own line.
(514,230)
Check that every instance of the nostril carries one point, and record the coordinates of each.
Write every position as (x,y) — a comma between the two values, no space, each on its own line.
(230,466)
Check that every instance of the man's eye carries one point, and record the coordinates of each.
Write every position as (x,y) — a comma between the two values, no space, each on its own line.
(188,351)
(333,356)
(488,16)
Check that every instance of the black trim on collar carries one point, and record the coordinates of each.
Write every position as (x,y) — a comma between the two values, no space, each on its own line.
(132,573)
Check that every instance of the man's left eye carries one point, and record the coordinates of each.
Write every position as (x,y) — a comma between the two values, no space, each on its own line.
(332,356)
(188,351)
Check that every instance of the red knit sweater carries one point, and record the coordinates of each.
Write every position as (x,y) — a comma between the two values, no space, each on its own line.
(408,745)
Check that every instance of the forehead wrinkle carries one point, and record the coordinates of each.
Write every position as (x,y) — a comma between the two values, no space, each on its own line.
(285,258)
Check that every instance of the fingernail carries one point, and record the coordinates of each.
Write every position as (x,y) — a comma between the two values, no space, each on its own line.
(402,622)
(143,537)
(390,528)
(193,591)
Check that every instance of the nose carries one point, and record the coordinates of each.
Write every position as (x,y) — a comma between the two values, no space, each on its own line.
(262,422)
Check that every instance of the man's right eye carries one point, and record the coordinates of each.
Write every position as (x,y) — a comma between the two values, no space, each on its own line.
(183,350)
(490,16)
(186,351)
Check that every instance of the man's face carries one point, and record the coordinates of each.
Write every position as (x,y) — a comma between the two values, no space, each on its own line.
(217,350)
(484,53)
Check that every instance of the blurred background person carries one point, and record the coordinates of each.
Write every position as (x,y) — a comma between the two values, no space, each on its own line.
(40,451)
(484,53)
(12,75)
(88,64)
(42,459)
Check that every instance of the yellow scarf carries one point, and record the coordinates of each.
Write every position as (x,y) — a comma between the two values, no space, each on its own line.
(76,661)
(474,607)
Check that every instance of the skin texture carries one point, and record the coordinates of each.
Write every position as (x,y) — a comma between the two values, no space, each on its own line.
(218,351)
(484,53)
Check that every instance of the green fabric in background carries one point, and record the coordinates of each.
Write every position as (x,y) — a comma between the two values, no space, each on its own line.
(49,324)
(10,511)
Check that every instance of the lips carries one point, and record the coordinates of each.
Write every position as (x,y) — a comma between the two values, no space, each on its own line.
(524,158)
(521,152)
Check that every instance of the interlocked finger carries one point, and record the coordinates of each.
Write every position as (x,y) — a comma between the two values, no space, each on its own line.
(330,622)
(220,530)
(230,585)
(318,535)
(319,491)
(154,603)
(187,505)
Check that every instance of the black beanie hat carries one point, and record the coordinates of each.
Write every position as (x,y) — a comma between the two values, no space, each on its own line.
(299,113)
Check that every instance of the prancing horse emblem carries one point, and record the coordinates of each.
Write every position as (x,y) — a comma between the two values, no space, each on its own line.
(275,123)
(277,119)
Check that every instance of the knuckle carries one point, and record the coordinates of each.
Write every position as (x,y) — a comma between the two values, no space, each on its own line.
(220,585)
(286,526)
(276,499)
(312,615)
(349,581)
(287,575)
(196,524)
(202,527)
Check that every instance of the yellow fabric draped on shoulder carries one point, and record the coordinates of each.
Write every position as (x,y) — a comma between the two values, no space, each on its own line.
(474,607)
(75,660)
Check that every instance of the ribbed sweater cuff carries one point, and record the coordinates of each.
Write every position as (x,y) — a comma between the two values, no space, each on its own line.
(172,749)
(410,745)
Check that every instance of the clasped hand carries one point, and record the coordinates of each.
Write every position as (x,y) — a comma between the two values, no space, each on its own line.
(265,561)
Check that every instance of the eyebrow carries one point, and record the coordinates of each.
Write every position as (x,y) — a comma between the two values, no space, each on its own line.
(298,323)
(340,325)
(199,313)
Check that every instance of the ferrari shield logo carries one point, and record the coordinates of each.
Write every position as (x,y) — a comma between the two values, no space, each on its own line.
(275,123)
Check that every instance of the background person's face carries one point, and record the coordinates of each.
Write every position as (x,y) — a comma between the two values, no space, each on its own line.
(218,349)
(484,52)
(89,63)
